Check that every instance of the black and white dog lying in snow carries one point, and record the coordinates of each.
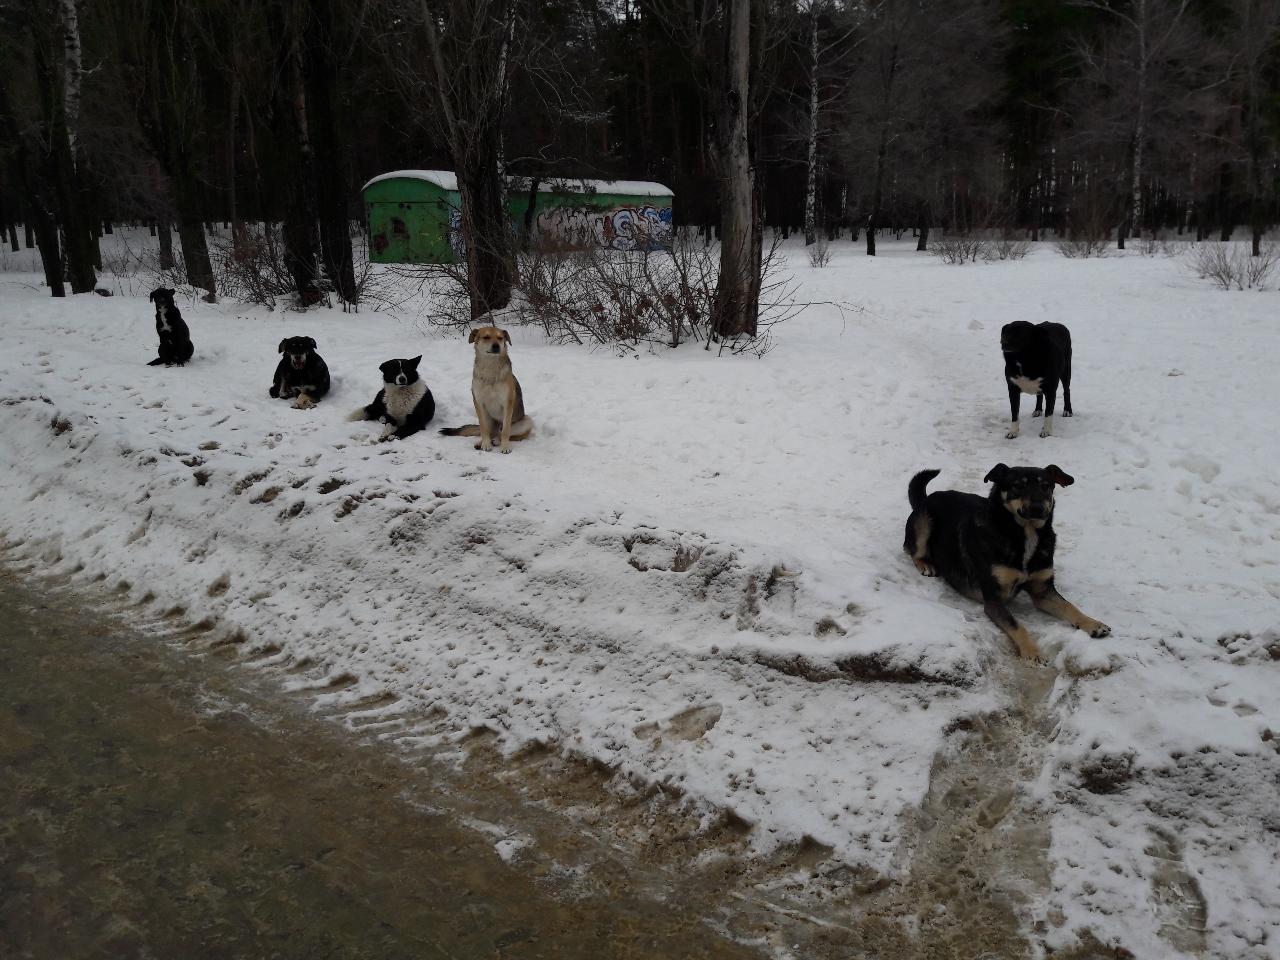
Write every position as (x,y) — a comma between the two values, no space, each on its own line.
(301,373)
(1037,357)
(404,405)
(175,338)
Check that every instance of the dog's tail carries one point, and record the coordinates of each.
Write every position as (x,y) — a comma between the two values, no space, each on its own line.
(355,415)
(915,489)
(520,430)
(470,430)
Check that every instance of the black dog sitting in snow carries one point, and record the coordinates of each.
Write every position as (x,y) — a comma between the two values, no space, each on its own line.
(1037,357)
(404,405)
(301,373)
(175,338)
(989,548)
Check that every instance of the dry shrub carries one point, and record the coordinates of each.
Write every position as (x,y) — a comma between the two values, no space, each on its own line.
(1082,247)
(819,254)
(1006,248)
(252,269)
(623,299)
(959,248)
(1229,265)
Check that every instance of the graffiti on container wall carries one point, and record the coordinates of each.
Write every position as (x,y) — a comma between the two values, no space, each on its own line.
(623,228)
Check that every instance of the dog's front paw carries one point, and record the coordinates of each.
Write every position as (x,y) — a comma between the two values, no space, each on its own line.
(1036,413)
(1099,630)
(1067,413)
(1046,432)
(484,445)
(505,448)
(303,402)
(1011,435)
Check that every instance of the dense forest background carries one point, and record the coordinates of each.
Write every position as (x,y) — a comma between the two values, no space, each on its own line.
(1113,118)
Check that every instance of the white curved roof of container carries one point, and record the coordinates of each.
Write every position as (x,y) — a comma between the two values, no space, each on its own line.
(448,180)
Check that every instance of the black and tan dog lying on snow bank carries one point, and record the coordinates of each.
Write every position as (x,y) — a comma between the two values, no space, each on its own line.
(301,374)
(990,548)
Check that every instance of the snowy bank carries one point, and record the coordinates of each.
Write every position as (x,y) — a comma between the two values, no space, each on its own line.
(693,573)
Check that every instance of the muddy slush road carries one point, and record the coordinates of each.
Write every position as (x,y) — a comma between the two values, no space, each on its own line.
(164,796)
(156,805)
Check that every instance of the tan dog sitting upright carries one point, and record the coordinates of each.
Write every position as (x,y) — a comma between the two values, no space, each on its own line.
(496,394)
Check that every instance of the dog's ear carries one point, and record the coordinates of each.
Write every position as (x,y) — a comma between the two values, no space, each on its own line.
(309,342)
(413,364)
(996,473)
(282,343)
(506,336)
(472,337)
(152,295)
(169,293)
(1058,475)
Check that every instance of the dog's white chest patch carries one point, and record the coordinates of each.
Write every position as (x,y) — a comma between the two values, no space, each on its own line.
(1029,548)
(401,400)
(162,318)
(1026,384)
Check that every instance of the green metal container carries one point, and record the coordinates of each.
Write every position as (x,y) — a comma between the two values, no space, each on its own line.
(414,216)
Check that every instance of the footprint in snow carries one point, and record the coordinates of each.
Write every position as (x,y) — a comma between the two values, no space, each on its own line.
(691,724)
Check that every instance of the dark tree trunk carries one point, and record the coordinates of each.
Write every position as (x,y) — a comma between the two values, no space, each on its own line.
(923,243)
(489,275)
(737,304)
(13,237)
(301,239)
(877,192)
(329,165)
(166,246)
(160,111)
(59,172)
(46,229)
(530,214)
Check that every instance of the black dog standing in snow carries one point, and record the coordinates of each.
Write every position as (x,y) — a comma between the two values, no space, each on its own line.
(301,373)
(404,405)
(175,338)
(1037,357)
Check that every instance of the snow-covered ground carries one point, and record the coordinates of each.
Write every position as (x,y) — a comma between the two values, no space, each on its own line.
(693,573)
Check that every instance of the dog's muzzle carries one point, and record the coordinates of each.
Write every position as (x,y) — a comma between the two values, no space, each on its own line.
(299,363)
(1036,513)
(495,349)
(401,380)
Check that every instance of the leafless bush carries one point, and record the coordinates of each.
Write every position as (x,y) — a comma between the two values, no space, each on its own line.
(959,248)
(1007,248)
(1228,265)
(622,299)
(819,254)
(1082,247)
(251,269)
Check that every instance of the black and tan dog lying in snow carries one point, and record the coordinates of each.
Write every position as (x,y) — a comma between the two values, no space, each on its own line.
(301,375)
(991,548)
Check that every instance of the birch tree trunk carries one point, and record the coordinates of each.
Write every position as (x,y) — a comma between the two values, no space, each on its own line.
(811,188)
(737,305)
